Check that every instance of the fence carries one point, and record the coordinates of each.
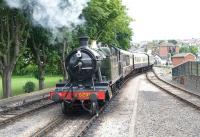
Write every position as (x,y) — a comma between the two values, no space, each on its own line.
(191,68)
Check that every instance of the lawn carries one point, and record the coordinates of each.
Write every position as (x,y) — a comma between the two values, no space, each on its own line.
(19,81)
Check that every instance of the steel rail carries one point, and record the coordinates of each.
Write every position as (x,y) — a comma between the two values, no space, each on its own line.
(8,109)
(177,87)
(179,93)
(43,131)
(3,123)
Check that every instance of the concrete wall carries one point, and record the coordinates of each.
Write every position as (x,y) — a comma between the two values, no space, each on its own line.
(192,82)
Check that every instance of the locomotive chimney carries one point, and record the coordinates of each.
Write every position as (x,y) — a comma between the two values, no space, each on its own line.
(83,41)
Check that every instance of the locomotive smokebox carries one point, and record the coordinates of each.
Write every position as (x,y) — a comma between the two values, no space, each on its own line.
(83,62)
(84,41)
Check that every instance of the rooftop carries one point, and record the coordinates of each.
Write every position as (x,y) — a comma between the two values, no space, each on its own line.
(166,44)
(182,55)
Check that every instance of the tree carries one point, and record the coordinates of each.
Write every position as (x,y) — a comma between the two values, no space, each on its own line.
(193,50)
(107,21)
(53,66)
(40,47)
(25,64)
(173,42)
(161,41)
(63,42)
(62,55)
(189,49)
(13,39)
(184,49)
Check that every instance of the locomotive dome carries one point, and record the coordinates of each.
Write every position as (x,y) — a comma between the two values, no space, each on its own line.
(82,63)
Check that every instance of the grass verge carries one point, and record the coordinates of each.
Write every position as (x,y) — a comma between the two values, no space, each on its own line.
(19,81)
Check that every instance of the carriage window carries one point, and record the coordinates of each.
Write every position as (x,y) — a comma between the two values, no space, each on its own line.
(138,59)
(127,60)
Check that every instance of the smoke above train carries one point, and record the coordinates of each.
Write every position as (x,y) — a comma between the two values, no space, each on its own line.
(52,13)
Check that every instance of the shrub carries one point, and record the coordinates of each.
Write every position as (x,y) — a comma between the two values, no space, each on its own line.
(29,87)
(60,81)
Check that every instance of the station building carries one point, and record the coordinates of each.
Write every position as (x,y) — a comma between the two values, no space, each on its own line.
(182,58)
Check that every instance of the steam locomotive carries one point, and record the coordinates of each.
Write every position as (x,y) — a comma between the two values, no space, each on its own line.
(95,73)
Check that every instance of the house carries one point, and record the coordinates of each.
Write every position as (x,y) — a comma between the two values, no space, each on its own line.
(165,48)
(182,57)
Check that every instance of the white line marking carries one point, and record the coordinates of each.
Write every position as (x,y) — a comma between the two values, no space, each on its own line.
(131,132)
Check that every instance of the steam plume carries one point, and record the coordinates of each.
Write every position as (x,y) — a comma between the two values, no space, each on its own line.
(52,13)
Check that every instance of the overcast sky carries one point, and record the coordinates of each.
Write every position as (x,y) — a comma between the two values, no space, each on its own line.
(164,19)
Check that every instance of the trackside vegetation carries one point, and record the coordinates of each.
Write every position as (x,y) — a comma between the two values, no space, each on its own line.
(18,82)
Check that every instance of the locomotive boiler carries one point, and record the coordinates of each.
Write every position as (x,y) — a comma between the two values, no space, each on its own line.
(95,74)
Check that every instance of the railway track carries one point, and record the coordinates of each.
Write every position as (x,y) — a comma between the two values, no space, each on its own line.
(65,120)
(72,124)
(84,125)
(180,93)
(6,109)
(12,114)
(43,131)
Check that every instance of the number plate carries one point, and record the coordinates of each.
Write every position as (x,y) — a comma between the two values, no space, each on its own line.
(83,95)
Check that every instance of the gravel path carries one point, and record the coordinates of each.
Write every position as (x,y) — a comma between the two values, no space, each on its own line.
(31,123)
(161,115)
(165,73)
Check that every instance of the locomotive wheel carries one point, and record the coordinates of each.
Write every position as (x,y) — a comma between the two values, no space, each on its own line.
(65,108)
(94,108)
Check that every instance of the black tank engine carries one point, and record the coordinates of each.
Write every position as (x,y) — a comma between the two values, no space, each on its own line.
(94,75)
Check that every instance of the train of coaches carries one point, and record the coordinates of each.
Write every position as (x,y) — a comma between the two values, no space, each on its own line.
(95,73)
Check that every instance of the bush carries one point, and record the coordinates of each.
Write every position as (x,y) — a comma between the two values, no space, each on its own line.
(29,87)
(60,81)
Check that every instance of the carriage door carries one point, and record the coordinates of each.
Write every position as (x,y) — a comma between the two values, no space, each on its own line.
(120,62)
(133,62)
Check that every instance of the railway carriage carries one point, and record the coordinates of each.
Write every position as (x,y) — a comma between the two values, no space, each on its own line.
(140,60)
(150,61)
(95,74)
(126,62)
